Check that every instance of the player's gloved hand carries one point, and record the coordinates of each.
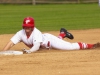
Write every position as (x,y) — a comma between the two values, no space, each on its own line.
(26,51)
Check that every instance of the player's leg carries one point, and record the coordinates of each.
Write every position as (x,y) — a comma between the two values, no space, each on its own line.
(64,45)
(88,46)
(64,33)
(57,43)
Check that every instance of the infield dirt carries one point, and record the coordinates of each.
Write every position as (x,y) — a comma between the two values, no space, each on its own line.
(54,62)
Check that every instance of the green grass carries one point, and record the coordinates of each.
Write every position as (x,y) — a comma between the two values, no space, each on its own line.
(50,17)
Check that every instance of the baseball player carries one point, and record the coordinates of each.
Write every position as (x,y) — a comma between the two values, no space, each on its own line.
(35,40)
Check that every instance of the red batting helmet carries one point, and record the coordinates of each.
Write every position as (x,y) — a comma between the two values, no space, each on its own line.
(28,22)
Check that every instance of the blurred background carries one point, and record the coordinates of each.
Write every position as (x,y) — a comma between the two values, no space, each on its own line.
(46,1)
(49,15)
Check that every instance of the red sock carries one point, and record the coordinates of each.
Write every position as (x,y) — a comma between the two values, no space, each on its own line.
(62,35)
(85,46)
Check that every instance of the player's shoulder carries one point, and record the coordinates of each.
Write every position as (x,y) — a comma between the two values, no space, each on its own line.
(36,30)
(21,31)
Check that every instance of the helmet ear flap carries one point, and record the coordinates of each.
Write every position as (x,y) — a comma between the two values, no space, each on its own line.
(28,22)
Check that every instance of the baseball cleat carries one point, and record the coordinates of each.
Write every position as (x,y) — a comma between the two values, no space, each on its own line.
(67,34)
(97,45)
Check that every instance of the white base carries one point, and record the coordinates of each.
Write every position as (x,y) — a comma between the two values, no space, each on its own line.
(11,52)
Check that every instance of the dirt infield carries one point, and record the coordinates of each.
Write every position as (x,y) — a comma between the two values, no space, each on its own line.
(54,62)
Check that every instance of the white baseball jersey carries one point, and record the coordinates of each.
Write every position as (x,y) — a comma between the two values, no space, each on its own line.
(20,36)
(47,40)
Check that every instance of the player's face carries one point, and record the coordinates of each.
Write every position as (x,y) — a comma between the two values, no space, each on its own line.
(28,29)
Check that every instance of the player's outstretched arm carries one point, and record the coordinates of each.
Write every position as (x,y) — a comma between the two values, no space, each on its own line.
(8,46)
(33,49)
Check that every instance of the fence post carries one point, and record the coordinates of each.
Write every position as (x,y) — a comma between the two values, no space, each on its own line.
(33,2)
(79,1)
(99,2)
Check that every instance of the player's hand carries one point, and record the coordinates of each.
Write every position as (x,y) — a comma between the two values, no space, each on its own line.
(26,51)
